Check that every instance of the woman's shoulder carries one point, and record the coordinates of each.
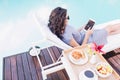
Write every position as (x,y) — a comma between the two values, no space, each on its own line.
(68,30)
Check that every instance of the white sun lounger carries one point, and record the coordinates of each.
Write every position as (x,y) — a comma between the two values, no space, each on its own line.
(113,43)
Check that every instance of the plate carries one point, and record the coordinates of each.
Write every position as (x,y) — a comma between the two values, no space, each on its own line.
(80,60)
(88,74)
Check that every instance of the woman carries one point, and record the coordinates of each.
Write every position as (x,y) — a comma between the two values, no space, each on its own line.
(58,24)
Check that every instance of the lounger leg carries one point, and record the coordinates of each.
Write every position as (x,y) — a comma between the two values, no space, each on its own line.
(44,75)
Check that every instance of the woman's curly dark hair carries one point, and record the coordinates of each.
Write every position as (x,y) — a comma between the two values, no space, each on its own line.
(56,21)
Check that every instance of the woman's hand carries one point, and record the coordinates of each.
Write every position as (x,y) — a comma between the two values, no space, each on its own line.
(89,32)
(87,35)
(81,28)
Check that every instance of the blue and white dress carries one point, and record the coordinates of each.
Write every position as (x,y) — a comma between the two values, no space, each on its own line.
(99,36)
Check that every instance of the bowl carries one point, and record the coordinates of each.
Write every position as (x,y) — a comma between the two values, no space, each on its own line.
(103,69)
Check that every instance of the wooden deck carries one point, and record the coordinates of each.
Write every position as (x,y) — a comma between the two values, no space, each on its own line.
(113,57)
(25,67)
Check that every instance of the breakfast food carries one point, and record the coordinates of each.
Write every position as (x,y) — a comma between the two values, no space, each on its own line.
(77,54)
(103,70)
(78,57)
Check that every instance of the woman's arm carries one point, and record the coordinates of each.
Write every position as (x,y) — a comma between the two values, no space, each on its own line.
(87,35)
(81,28)
(73,43)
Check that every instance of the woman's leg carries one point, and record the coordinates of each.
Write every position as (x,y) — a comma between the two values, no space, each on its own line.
(113,29)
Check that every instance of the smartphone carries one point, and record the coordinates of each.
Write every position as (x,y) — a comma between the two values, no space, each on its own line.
(90,24)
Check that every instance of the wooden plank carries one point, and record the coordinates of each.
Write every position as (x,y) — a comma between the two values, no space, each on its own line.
(37,66)
(14,68)
(7,69)
(26,67)
(66,75)
(20,68)
(109,54)
(114,65)
(56,51)
(112,53)
(54,76)
(52,53)
(112,61)
(42,58)
(116,58)
(61,75)
(47,57)
(32,67)
(59,49)
(117,50)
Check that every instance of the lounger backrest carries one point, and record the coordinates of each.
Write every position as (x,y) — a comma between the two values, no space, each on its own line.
(46,33)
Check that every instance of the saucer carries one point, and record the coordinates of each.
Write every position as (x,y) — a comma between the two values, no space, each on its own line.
(88,74)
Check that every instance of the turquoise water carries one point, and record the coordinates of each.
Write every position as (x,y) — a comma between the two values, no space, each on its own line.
(18,30)
(80,11)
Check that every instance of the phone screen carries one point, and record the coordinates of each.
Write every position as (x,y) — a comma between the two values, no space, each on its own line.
(90,24)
